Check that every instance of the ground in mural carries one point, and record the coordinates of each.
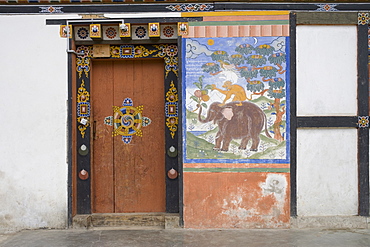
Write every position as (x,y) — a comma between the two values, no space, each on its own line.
(236,99)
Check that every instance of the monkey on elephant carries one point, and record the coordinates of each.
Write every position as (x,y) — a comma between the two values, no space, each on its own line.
(244,122)
(236,90)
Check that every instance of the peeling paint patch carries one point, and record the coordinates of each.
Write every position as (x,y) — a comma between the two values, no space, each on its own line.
(234,208)
(276,185)
(236,200)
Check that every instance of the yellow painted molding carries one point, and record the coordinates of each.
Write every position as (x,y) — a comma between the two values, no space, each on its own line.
(233,13)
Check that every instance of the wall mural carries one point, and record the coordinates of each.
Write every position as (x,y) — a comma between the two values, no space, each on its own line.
(236,100)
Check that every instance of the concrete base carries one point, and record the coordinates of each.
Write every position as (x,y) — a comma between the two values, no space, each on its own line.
(81,221)
(330,222)
(127,220)
(172,221)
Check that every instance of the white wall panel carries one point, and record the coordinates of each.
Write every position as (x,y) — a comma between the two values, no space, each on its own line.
(33,110)
(327,181)
(326,70)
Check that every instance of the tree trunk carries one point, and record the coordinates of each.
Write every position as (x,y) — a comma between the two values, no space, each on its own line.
(279,118)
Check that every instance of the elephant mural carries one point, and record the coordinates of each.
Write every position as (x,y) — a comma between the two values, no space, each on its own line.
(236,121)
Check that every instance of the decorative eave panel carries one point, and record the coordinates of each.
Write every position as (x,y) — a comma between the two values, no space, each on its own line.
(127,6)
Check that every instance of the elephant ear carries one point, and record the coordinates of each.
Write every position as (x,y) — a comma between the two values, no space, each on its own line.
(228,113)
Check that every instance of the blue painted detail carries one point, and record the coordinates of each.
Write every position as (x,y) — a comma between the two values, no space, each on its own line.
(127,102)
(126,139)
(174,111)
(127,51)
(140,32)
(146,121)
(190,7)
(326,7)
(108,120)
(82,104)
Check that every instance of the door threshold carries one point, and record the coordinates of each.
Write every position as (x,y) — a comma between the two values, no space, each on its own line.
(127,221)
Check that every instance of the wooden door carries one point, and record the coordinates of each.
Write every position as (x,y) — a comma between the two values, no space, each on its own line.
(128,177)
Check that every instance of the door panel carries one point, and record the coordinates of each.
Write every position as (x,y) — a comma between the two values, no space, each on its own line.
(103,171)
(128,177)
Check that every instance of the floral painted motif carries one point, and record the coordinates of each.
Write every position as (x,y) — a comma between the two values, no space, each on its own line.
(189,7)
(83,109)
(140,32)
(168,31)
(83,33)
(115,51)
(171,50)
(111,33)
(51,10)
(326,7)
(363,18)
(83,61)
(363,121)
(172,109)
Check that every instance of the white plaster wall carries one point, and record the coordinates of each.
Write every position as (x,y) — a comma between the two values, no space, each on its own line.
(327,172)
(327,183)
(33,110)
(326,70)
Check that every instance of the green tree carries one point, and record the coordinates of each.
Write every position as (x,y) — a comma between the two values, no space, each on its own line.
(261,66)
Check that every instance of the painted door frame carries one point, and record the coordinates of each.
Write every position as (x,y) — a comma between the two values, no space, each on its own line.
(80,67)
(335,18)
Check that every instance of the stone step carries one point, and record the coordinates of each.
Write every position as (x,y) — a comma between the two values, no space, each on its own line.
(127,220)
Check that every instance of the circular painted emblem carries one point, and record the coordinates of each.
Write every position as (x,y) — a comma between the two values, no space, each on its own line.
(83,33)
(171,50)
(168,31)
(127,121)
(140,32)
(111,33)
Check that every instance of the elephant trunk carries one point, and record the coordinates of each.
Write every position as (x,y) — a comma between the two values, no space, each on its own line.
(206,120)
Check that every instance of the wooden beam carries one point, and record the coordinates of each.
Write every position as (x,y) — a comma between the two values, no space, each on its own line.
(327,122)
(363,110)
(293,115)
(327,18)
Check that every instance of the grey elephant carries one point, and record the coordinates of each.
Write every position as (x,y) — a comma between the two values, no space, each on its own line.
(236,121)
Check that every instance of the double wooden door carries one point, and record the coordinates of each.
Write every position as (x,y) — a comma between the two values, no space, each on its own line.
(128,175)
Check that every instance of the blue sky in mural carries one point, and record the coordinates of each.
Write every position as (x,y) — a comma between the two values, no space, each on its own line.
(265,60)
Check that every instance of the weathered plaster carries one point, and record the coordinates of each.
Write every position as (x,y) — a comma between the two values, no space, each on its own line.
(33,94)
(236,200)
(327,182)
(326,65)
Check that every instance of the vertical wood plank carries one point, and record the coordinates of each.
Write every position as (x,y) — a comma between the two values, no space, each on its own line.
(102,102)
(139,166)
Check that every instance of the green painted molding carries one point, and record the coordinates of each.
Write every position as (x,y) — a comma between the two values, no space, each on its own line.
(217,169)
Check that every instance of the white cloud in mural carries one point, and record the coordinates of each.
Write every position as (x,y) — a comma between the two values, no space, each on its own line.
(279,44)
(194,49)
